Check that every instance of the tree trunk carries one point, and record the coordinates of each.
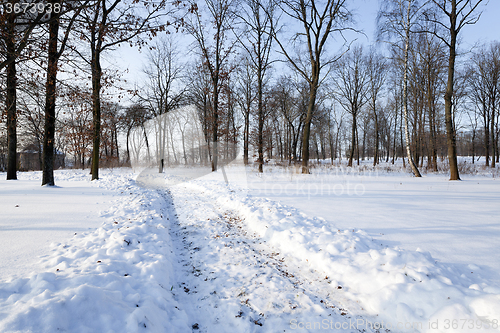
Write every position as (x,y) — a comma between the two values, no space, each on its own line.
(433,134)
(473,144)
(117,147)
(353,139)
(215,127)
(450,131)
(363,151)
(260,140)
(128,148)
(313,87)
(357,146)
(492,131)
(160,144)
(50,104)
(496,142)
(375,154)
(10,99)
(401,140)
(172,145)
(246,133)
(486,122)
(395,135)
(96,112)
(405,104)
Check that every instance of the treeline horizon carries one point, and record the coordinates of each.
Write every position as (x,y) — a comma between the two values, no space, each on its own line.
(291,95)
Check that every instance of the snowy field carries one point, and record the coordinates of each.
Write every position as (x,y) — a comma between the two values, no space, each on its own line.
(432,214)
(340,250)
(33,217)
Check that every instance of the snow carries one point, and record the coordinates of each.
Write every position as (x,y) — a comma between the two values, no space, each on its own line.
(113,278)
(338,250)
(32,217)
(432,214)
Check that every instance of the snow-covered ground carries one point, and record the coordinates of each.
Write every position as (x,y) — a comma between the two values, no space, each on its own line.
(445,218)
(337,251)
(33,217)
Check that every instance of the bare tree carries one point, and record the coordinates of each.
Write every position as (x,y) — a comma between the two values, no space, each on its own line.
(30,105)
(72,10)
(351,84)
(258,18)
(291,110)
(215,47)
(494,96)
(320,21)
(20,21)
(198,93)
(22,24)
(397,18)
(474,122)
(12,52)
(450,17)
(484,80)
(105,24)
(432,62)
(247,95)
(377,69)
(162,92)
(77,123)
(132,117)
(335,124)
(110,149)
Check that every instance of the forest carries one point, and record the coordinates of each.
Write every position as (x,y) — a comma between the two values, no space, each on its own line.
(281,80)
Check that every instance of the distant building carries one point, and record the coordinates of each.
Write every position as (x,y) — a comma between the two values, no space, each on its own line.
(30,159)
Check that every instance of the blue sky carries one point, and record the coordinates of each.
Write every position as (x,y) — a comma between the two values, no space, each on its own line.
(486,30)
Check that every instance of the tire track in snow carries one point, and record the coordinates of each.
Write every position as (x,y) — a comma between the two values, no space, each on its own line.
(229,280)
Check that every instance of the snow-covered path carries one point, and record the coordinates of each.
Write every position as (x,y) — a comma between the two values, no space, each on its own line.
(230,280)
(205,256)
(113,278)
(407,290)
